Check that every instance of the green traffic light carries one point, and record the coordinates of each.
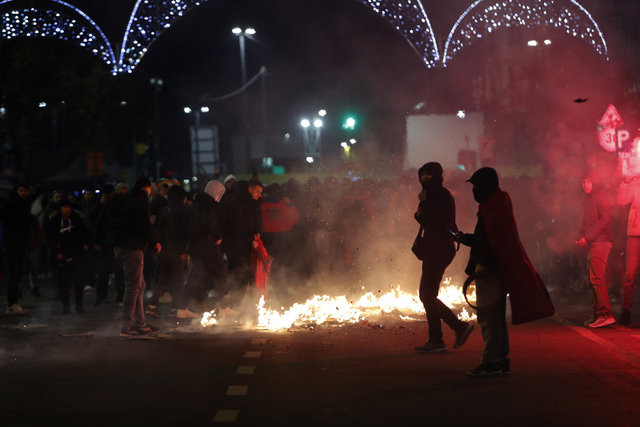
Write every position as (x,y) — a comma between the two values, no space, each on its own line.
(349,123)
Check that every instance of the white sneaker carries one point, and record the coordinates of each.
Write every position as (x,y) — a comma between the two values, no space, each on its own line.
(602,321)
(185,314)
(17,310)
(165,298)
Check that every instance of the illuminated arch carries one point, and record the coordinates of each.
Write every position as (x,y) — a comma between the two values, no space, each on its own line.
(485,17)
(411,20)
(59,20)
(148,20)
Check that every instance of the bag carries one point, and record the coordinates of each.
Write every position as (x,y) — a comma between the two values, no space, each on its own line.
(419,247)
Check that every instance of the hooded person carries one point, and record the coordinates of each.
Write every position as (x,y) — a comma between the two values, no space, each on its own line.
(500,266)
(436,214)
(215,189)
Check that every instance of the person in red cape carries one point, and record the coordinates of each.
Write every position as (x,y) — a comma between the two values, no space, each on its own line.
(500,266)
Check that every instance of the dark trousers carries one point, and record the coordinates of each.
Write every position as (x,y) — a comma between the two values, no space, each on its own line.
(105,265)
(132,262)
(208,271)
(432,271)
(170,275)
(597,263)
(491,300)
(17,260)
(70,277)
(239,264)
(631,272)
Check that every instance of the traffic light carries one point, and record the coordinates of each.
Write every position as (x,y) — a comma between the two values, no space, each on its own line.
(349,123)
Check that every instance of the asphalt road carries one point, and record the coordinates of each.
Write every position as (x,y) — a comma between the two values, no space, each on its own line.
(75,370)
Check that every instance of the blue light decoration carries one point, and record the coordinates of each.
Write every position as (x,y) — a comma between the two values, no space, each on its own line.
(148,20)
(410,18)
(483,18)
(58,20)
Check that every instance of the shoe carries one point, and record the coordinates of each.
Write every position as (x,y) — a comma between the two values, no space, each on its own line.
(499,369)
(185,314)
(165,298)
(153,312)
(462,334)
(603,321)
(625,318)
(127,333)
(590,321)
(147,329)
(15,309)
(431,347)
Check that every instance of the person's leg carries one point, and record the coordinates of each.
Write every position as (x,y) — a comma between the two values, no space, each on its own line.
(132,263)
(63,278)
(16,267)
(491,303)
(597,261)
(631,271)
(76,275)
(429,285)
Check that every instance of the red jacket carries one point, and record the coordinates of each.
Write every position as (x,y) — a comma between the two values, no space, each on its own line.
(528,294)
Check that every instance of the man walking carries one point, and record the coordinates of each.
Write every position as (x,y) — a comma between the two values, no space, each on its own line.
(437,215)
(500,266)
(596,234)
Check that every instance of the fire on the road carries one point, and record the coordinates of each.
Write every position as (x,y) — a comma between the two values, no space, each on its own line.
(323,308)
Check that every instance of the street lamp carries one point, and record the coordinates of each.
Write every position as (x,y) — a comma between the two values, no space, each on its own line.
(240,33)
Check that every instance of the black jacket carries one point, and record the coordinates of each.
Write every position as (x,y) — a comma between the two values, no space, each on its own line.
(437,215)
(16,219)
(131,224)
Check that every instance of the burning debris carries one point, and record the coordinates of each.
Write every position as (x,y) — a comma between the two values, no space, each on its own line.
(321,309)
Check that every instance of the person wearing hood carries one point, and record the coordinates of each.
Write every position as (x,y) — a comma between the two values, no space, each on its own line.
(16,219)
(499,265)
(215,190)
(596,235)
(437,215)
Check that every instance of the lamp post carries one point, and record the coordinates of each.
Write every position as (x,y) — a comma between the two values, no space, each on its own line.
(241,33)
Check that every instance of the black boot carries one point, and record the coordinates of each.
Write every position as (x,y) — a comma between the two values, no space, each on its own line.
(625,318)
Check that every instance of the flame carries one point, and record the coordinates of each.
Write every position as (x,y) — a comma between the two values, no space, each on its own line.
(323,308)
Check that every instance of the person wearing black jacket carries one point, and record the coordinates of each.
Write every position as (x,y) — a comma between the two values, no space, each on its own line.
(243,223)
(596,234)
(69,240)
(132,232)
(208,268)
(173,228)
(16,219)
(437,215)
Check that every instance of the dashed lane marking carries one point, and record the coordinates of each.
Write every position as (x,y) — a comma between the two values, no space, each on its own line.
(245,370)
(252,354)
(226,416)
(237,390)
(617,351)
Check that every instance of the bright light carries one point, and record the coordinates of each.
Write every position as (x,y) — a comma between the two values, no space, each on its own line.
(317,123)
(123,103)
(305,123)
(204,109)
(309,159)
(42,104)
(547,42)
(461,114)
(532,43)
(187,110)
(322,113)
(237,31)
(350,123)
(195,178)
(352,141)
(344,145)
(250,31)
(186,181)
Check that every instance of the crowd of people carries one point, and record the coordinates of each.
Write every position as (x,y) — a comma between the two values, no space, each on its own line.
(216,245)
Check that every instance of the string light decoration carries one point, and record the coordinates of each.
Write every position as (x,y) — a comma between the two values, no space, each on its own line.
(409,18)
(148,20)
(58,20)
(483,18)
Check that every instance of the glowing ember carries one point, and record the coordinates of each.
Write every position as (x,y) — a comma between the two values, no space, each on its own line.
(320,309)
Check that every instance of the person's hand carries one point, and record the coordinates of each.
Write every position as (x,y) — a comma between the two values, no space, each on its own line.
(582,242)
(157,247)
(60,256)
(256,236)
(184,257)
(458,236)
(255,244)
(219,242)
(422,196)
